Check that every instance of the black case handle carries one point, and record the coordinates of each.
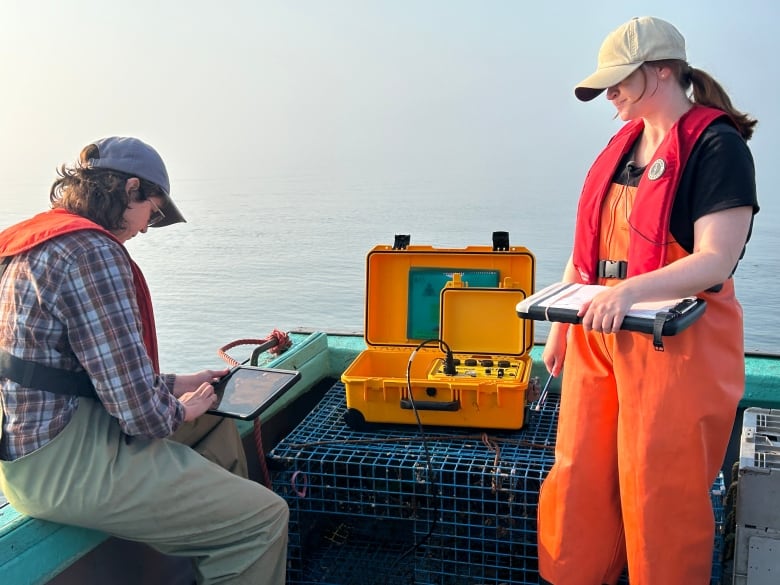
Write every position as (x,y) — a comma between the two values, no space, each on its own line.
(452,406)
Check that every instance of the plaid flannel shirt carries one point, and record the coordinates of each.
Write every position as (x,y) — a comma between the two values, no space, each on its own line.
(70,303)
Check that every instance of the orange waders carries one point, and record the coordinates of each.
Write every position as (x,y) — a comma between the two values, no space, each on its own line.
(641,438)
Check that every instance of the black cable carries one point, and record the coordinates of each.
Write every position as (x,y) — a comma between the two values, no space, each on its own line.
(449,370)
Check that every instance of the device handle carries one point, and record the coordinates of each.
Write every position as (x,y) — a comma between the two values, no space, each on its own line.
(452,406)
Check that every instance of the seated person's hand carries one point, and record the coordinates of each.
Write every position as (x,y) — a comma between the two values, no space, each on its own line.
(190,382)
(196,403)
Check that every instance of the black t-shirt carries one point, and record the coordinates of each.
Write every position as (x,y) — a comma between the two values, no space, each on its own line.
(719,175)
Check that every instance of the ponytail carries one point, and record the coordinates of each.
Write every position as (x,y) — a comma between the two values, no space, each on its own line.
(708,92)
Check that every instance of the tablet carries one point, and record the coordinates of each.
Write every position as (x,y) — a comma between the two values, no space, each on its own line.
(562,301)
(671,320)
(247,391)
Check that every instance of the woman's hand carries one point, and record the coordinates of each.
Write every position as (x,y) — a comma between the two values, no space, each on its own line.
(196,403)
(555,348)
(719,239)
(190,382)
(605,311)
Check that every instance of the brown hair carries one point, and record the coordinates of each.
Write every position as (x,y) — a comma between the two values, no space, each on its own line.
(97,194)
(708,92)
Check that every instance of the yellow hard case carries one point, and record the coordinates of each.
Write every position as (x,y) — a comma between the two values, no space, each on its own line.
(420,296)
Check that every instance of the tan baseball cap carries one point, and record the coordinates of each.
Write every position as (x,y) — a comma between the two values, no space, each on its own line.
(626,48)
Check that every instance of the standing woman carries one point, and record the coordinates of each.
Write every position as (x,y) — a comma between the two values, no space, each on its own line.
(665,212)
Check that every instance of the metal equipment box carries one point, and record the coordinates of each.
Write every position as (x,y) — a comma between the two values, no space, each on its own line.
(757,547)
(423,303)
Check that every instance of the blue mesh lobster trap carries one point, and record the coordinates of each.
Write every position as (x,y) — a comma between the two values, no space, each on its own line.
(383,506)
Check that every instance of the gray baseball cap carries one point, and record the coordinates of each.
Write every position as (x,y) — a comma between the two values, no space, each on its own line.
(136,158)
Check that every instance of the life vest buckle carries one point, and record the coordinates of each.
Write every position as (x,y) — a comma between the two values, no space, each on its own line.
(613,269)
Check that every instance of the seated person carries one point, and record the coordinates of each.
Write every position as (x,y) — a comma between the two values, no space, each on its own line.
(87,418)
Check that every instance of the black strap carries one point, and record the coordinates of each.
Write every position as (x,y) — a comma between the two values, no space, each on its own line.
(34,375)
(30,374)
(658,329)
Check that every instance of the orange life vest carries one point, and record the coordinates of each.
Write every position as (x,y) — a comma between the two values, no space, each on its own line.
(57,222)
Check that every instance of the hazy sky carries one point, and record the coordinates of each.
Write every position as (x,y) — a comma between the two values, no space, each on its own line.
(243,90)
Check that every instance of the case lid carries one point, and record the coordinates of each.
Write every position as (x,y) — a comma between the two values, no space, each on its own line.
(479,321)
(404,289)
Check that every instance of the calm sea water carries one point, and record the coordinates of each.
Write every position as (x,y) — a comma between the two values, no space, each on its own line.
(286,253)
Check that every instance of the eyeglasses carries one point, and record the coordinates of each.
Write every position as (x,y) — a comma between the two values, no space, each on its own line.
(156,216)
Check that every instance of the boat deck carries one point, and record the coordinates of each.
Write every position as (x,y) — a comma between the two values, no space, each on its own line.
(35,552)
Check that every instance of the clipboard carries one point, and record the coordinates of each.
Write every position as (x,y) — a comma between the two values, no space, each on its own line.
(245,392)
(561,301)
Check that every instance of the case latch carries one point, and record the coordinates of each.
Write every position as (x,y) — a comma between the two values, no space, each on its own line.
(500,241)
(401,241)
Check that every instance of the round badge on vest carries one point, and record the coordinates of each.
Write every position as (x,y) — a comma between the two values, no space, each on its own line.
(656,169)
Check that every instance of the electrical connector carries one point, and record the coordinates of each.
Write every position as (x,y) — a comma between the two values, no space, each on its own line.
(449,364)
